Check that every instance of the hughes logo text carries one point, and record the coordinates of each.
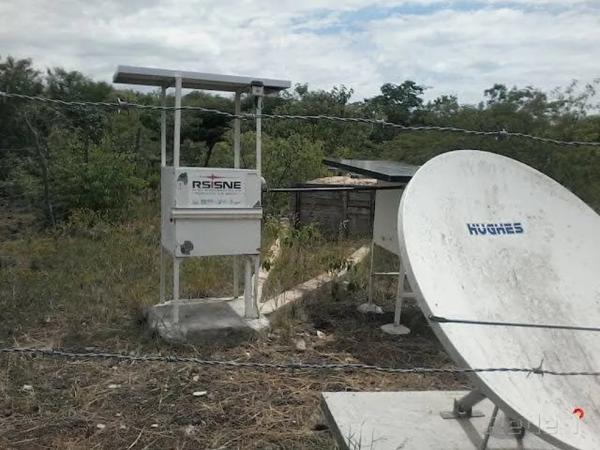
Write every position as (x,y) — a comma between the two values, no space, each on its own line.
(495,229)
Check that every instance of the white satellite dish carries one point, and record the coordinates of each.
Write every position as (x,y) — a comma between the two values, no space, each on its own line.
(485,238)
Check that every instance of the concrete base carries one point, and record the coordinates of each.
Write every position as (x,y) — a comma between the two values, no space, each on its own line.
(392,328)
(412,421)
(371,308)
(202,320)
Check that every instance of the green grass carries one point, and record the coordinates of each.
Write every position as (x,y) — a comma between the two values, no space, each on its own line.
(91,279)
(305,253)
(88,282)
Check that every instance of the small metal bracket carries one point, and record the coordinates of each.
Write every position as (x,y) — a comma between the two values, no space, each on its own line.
(257,88)
(460,413)
(463,408)
(517,429)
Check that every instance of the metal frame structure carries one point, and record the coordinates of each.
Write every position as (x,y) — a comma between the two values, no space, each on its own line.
(391,178)
(257,88)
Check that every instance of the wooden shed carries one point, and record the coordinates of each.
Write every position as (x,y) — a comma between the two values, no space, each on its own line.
(342,212)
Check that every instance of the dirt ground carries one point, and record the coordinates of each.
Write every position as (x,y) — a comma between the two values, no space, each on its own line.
(69,404)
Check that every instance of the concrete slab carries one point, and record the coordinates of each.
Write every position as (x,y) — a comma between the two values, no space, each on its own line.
(297,293)
(202,320)
(412,421)
(222,319)
(392,328)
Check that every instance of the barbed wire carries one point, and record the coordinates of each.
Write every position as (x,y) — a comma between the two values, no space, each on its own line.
(284,366)
(123,105)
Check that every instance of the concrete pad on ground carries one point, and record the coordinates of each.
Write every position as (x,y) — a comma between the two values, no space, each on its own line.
(412,421)
(202,320)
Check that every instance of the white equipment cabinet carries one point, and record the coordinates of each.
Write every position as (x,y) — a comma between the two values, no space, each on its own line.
(209,211)
(385,223)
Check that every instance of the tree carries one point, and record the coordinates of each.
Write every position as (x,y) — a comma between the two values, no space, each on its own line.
(397,103)
(74,86)
(16,76)
(203,127)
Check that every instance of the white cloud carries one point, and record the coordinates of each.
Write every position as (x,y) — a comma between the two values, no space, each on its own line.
(456,47)
(464,52)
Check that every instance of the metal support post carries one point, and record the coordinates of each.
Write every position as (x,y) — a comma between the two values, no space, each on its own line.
(258,92)
(463,408)
(236,277)
(259,136)
(176,262)
(236,165)
(163,290)
(163,128)
(177,126)
(488,430)
(396,327)
(251,301)
(163,163)
(370,306)
(237,125)
(248,288)
(370,287)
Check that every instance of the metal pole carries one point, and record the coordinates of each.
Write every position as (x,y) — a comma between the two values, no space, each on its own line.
(236,165)
(399,298)
(488,430)
(255,287)
(399,294)
(176,144)
(248,289)
(395,327)
(176,262)
(237,130)
(163,290)
(370,287)
(163,163)
(259,135)
(163,128)
(177,128)
(236,277)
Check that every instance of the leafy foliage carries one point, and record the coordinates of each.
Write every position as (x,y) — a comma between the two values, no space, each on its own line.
(64,159)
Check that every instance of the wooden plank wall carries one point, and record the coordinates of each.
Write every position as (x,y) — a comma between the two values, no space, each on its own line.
(346,213)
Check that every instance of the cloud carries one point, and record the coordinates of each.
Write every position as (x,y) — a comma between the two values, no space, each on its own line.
(458,47)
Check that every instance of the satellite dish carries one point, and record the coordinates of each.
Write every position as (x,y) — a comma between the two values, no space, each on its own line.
(485,238)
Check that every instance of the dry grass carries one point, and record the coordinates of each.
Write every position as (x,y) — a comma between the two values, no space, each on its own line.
(85,287)
(153,405)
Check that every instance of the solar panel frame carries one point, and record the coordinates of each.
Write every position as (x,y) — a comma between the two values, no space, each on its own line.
(389,171)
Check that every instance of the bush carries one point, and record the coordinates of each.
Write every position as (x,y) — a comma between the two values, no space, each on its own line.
(105,182)
(96,180)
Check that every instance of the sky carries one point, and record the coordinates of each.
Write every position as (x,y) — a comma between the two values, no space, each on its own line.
(451,47)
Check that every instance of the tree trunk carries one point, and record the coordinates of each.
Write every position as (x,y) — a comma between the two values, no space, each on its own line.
(208,155)
(138,142)
(42,157)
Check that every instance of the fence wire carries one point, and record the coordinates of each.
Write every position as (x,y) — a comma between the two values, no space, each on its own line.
(123,105)
(120,105)
(285,366)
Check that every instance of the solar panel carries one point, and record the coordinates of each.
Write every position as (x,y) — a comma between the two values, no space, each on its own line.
(391,171)
(505,263)
(148,76)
